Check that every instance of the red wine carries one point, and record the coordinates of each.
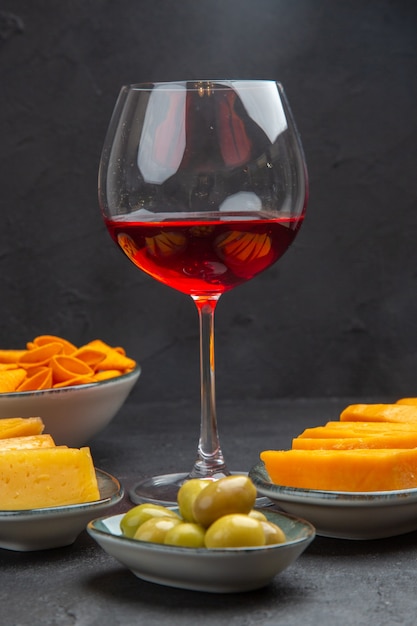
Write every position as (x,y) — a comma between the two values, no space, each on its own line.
(203,258)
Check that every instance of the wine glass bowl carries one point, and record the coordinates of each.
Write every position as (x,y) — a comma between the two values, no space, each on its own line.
(203,185)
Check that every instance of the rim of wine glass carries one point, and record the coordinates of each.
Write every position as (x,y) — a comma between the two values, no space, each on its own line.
(217,84)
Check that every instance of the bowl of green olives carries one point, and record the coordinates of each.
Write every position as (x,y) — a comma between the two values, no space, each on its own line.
(214,540)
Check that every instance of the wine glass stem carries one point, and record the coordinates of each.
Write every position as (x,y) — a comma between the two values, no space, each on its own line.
(210,461)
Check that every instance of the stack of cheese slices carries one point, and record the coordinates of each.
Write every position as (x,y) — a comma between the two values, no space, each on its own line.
(35,473)
(372,447)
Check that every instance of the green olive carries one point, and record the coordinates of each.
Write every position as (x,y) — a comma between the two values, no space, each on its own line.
(186,534)
(257,515)
(155,529)
(187,493)
(273,533)
(235,531)
(134,518)
(232,494)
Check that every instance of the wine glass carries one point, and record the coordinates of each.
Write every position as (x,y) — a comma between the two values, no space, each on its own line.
(203,185)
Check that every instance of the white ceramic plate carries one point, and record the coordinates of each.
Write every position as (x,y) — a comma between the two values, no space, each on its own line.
(344,515)
(199,569)
(53,527)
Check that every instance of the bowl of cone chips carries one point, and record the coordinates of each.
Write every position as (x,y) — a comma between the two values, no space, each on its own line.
(76,390)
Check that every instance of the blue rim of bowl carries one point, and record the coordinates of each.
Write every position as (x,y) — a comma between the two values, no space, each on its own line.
(266,487)
(309,529)
(111,484)
(44,392)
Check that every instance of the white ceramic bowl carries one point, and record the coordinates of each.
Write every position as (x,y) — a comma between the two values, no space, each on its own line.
(344,515)
(55,527)
(217,570)
(72,415)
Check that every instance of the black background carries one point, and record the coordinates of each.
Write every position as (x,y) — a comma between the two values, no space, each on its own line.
(338,314)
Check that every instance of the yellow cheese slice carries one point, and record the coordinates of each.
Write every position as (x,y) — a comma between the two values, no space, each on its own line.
(30,441)
(46,477)
(20,426)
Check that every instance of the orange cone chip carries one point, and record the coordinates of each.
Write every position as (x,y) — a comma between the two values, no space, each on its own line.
(50,361)
(77,380)
(11,379)
(114,360)
(42,379)
(42,340)
(11,356)
(90,356)
(39,356)
(67,367)
(31,371)
(98,344)
(106,374)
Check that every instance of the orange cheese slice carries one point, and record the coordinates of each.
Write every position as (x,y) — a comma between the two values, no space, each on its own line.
(343,470)
(46,477)
(407,401)
(379,413)
(20,426)
(357,429)
(367,440)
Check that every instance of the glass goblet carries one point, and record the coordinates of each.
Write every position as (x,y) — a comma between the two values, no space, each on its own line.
(203,185)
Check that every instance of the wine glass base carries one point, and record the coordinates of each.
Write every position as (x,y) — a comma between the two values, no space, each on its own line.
(163,490)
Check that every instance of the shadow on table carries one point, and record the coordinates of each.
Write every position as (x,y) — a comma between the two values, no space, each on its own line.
(327,546)
(122,585)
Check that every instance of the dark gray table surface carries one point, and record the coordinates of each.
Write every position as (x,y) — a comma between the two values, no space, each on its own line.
(333,582)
